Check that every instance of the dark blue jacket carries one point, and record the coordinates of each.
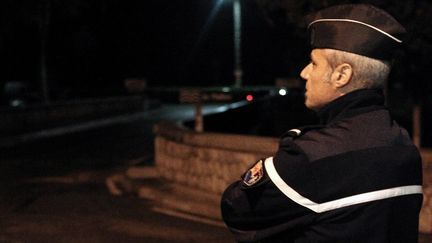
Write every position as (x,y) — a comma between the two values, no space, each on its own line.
(355,178)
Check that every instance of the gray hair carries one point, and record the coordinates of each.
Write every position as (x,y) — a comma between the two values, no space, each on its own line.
(367,72)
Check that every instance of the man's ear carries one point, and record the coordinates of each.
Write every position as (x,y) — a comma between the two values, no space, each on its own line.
(342,75)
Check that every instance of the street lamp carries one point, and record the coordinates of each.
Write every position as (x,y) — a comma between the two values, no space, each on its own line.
(238,72)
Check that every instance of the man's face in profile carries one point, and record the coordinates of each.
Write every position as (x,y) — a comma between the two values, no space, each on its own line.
(318,77)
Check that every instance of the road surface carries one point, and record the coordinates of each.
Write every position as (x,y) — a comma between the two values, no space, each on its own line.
(53,186)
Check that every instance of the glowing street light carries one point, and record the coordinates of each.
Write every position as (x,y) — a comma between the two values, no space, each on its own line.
(282,92)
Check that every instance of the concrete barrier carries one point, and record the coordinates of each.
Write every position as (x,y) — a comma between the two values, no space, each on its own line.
(209,162)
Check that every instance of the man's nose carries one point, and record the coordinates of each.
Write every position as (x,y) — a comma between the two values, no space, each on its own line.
(305,72)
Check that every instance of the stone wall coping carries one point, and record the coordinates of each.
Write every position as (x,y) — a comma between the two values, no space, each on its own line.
(233,142)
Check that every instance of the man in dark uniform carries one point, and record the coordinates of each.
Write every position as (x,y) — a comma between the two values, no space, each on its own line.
(356,177)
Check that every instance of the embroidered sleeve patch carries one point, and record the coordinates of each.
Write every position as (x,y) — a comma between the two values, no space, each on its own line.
(254,174)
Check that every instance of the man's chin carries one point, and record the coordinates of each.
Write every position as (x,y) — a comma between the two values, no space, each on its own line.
(307,104)
(311,106)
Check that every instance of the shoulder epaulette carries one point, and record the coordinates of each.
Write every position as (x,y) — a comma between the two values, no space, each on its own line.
(298,132)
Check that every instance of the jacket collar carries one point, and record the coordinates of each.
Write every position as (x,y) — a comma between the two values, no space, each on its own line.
(353,103)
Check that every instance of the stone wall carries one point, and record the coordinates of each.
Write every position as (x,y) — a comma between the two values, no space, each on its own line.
(426,212)
(207,161)
(211,161)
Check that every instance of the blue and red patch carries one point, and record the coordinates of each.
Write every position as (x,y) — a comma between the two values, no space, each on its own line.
(254,174)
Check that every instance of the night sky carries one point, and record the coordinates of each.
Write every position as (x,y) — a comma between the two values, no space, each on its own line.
(92,46)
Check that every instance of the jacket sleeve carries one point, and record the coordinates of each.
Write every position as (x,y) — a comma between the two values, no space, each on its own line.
(255,210)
